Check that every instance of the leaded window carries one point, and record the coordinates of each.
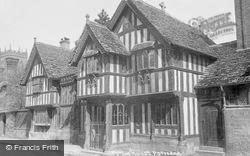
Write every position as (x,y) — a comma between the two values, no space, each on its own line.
(119,114)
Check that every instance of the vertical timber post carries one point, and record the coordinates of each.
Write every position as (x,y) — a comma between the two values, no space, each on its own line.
(86,125)
(180,118)
(108,123)
(132,119)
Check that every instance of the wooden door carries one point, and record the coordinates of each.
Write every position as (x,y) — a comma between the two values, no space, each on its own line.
(97,127)
(212,126)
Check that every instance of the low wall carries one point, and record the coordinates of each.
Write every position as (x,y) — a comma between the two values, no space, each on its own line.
(138,144)
(237,131)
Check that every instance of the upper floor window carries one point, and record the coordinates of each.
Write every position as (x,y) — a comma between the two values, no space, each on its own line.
(146,59)
(126,24)
(93,65)
(123,64)
(37,85)
(151,56)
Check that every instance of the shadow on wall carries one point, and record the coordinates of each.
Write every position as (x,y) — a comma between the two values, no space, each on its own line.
(71,125)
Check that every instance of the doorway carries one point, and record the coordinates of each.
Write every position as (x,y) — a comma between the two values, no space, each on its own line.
(212,126)
(97,127)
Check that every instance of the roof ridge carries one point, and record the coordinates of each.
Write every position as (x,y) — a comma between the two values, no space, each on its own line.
(97,24)
(164,12)
(167,13)
(58,47)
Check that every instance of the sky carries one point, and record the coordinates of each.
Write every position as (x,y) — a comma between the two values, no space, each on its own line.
(50,20)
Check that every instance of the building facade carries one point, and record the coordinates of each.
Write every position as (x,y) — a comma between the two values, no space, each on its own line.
(130,86)
(136,78)
(50,93)
(12,63)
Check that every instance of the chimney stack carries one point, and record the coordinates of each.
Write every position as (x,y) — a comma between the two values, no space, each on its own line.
(242,11)
(65,43)
(87,17)
(163,6)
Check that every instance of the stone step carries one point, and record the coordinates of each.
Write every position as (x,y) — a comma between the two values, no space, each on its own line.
(210,151)
(211,148)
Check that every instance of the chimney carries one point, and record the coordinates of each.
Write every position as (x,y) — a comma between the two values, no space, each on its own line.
(65,43)
(242,15)
(87,17)
(163,6)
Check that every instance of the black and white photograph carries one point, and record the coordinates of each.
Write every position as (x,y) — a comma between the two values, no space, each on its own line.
(125,78)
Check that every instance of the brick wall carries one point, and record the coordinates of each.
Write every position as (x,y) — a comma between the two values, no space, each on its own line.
(237,125)
(242,10)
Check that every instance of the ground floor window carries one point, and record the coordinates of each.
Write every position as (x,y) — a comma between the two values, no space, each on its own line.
(97,114)
(42,120)
(154,118)
(119,114)
(164,114)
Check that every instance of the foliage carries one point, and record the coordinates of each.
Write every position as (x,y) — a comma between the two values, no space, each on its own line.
(103,18)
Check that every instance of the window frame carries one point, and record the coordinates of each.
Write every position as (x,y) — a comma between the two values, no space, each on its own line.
(120,115)
(165,119)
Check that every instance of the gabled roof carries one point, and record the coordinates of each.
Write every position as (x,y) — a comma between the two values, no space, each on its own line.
(106,41)
(170,29)
(54,59)
(230,69)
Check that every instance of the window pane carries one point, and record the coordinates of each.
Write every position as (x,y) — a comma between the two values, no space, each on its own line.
(151,59)
(139,62)
(174,114)
(126,114)
(145,59)
(168,115)
(158,114)
(120,110)
(114,115)
(137,114)
(163,114)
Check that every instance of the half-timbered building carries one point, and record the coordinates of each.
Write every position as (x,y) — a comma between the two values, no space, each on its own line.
(136,78)
(50,90)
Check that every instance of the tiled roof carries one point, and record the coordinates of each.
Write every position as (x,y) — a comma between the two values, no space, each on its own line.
(172,30)
(231,67)
(107,41)
(54,59)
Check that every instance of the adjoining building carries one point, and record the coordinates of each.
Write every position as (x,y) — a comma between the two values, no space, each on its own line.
(224,92)
(220,28)
(50,94)
(12,62)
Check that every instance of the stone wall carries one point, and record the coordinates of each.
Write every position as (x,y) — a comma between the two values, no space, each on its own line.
(237,131)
